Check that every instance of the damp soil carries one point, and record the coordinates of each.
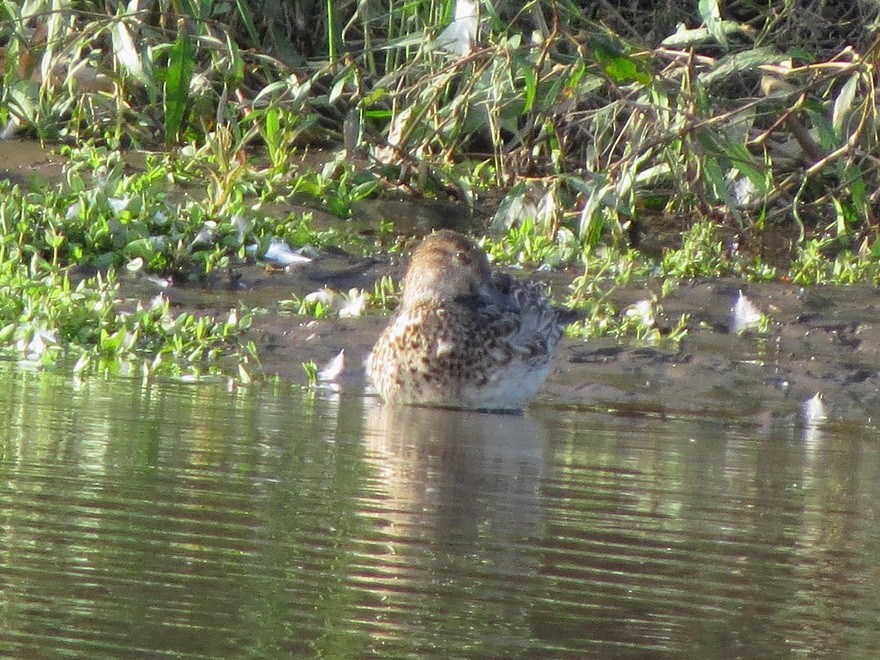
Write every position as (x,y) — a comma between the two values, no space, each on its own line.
(821,340)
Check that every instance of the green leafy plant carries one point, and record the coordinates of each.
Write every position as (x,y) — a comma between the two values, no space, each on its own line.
(337,186)
(50,319)
(311,371)
(386,293)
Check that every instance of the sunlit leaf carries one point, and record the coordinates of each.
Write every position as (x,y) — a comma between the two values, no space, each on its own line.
(127,53)
(739,62)
(338,88)
(843,104)
(710,12)
(624,70)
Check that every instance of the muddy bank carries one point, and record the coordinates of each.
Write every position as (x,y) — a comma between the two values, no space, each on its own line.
(821,340)
(824,341)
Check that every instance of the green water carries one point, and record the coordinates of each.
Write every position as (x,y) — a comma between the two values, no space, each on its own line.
(170,519)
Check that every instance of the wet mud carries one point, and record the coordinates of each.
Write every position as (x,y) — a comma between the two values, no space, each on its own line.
(823,341)
(820,341)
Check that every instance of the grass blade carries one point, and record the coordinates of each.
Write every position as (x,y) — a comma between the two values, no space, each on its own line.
(180,69)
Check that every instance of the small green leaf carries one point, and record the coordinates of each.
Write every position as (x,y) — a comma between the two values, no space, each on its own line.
(531,81)
(617,65)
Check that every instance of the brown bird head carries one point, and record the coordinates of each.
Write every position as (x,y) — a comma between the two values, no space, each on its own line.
(448,267)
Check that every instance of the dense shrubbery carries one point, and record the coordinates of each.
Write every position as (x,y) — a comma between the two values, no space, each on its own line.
(600,113)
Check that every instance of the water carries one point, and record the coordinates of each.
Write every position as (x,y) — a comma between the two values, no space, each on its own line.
(142,520)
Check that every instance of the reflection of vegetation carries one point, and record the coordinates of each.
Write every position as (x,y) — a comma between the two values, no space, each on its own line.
(248,484)
(305,528)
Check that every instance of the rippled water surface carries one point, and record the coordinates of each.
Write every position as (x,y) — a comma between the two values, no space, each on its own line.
(141,520)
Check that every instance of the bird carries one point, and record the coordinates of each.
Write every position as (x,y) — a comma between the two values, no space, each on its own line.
(465,336)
